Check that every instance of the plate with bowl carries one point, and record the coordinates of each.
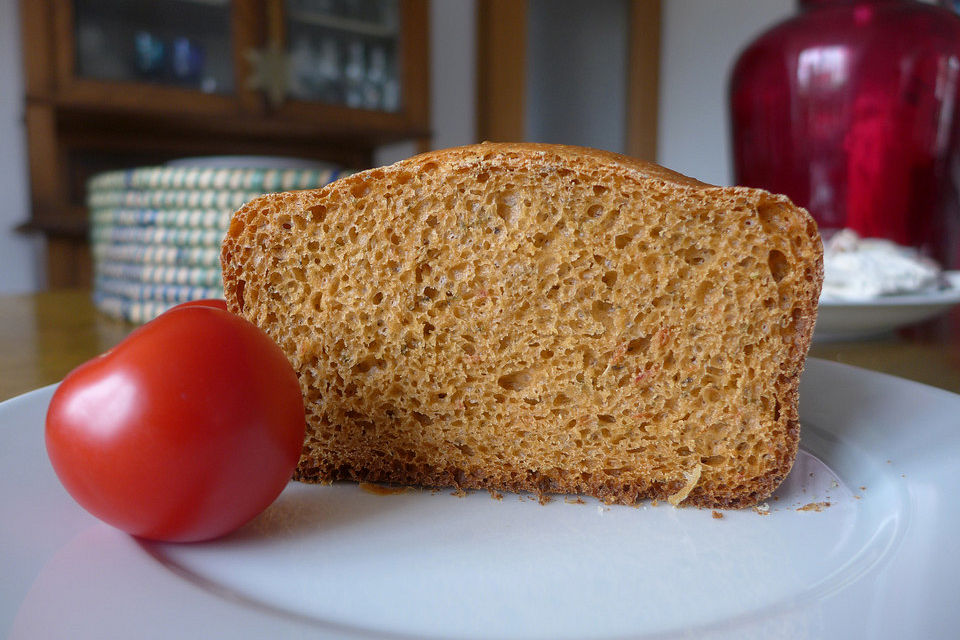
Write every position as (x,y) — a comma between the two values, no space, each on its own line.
(864,319)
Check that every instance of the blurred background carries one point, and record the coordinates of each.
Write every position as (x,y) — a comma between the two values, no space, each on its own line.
(92,86)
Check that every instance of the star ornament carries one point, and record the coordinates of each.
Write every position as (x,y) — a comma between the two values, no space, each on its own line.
(271,73)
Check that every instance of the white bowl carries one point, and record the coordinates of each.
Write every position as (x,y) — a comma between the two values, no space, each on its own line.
(860,320)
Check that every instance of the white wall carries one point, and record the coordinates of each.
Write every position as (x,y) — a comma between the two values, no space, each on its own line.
(700,40)
(453,59)
(576,72)
(19,254)
(453,86)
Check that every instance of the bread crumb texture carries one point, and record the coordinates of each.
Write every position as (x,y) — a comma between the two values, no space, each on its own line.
(537,318)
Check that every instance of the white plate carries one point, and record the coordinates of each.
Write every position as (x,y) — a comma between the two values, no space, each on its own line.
(341,563)
(857,320)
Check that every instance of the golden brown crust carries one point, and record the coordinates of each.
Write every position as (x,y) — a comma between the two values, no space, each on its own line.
(682,399)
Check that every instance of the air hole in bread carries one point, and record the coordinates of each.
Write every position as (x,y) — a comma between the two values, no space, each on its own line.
(516,381)
(360,189)
(601,309)
(239,287)
(779,266)
(428,329)
(423,419)
(696,255)
(638,345)
(771,216)
(710,394)
(507,207)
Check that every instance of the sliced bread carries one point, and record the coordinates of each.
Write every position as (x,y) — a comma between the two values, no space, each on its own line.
(537,318)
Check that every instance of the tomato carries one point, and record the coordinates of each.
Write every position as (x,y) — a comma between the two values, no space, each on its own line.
(184,431)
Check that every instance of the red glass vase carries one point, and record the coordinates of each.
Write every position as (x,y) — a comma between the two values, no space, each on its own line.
(852,108)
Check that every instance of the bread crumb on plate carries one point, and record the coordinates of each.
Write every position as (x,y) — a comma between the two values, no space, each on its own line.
(814,506)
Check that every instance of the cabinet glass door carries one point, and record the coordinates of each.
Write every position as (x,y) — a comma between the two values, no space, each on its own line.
(344,52)
(181,43)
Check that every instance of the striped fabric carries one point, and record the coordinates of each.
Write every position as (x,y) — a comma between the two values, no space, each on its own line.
(155,232)
(173,218)
(167,199)
(140,292)
(103,234)
(213,179)
(158,255)
(151,274)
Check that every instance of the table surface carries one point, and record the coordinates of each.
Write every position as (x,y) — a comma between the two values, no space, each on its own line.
(45,335)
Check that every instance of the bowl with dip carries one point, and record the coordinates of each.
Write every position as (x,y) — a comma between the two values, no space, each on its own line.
(872,287)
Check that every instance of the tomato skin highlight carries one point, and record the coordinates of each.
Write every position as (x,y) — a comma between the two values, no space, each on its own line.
(217,303)
(185,431)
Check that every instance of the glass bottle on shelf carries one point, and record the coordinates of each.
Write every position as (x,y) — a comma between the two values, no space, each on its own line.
(182,43)
(344,52)
(851,109)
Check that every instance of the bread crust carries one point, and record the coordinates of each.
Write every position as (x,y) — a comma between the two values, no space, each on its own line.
(243,249)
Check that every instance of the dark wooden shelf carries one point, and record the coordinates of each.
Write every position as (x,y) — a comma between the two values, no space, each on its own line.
(327,125)
(69,227)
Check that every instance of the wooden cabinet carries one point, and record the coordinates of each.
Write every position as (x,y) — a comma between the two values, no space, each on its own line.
(121,83)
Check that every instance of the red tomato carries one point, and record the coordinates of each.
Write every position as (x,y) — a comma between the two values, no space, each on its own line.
(185,431)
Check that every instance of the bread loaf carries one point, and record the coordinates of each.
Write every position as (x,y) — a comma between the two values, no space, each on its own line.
(537,318)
